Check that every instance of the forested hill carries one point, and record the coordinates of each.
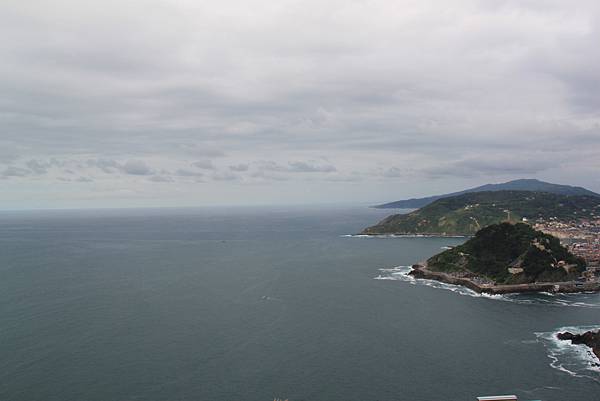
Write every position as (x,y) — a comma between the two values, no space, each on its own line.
(515,185)
(531,255)
(466,214)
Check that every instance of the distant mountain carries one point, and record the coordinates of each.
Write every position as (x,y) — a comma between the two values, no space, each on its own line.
(467,213)
(516,185)
(510,254)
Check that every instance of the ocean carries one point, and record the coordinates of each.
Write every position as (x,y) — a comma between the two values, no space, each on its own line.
(250,304)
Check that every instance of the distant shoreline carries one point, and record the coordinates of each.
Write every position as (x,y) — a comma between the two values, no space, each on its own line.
(411,235)
(567,287)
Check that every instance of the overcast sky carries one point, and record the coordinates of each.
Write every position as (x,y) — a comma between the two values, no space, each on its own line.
(201,102)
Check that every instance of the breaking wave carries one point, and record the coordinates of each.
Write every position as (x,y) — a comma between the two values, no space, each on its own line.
(383,236)
(585,300)
(575,360)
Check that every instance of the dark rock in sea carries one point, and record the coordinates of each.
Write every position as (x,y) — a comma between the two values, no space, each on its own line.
(590,339)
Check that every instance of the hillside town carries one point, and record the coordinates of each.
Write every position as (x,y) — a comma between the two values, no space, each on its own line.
(581,237)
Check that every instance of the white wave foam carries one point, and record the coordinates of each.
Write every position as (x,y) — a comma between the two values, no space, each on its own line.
(575,360)
(401,273)
(384,236)
(585,300)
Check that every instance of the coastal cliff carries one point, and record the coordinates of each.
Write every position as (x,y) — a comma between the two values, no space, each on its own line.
(590,339)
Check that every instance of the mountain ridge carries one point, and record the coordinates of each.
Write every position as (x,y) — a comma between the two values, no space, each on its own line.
(527,184)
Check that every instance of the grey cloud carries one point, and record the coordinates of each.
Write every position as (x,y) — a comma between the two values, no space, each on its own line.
(509,165)
(224,176)
(188,173)
(353,176)
(298,167)
(130,167)
(161,178)
(37,167)
(136,167)
(78,179)
(204,164)
(394,172)
(7,154)
(240,167)
(394,95)
(266,176)
(304,167)
(106,165)
(13,171)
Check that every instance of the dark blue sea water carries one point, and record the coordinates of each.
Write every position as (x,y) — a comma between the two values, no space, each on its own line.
(252,304)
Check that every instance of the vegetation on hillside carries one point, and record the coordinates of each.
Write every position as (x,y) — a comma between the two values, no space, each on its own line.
(532,255)
(515,185)
(466,214)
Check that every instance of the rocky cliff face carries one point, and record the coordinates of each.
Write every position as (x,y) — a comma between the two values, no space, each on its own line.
(590,338)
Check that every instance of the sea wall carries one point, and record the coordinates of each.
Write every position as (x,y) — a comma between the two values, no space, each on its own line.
(421,271)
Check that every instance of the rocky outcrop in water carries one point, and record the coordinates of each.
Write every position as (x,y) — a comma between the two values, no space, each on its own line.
(590,338)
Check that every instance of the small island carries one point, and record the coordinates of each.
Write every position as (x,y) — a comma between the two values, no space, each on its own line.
(510,258)
(590,339)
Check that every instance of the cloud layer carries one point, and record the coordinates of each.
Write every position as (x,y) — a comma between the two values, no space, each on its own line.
(129,102)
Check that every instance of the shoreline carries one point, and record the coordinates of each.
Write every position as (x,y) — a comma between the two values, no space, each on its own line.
(590,339)
(420,270)
(414,235)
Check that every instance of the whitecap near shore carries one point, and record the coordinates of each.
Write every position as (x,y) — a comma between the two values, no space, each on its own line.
(384,236)
(583,300)
(401,273)
(575,360)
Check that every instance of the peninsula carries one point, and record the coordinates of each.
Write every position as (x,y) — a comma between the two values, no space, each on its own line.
(466,214)
(510,258)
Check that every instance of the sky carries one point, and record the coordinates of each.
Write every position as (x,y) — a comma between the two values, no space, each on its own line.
(200,102)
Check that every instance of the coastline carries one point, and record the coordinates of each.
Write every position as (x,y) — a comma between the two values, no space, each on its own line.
(420,234)
(568,287)
(590,339)
(413,235)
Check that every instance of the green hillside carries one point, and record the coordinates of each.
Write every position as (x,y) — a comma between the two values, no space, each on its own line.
(515,185)
(466,214)
(497,247)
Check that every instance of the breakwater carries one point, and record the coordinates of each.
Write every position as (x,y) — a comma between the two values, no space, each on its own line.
(420,271)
